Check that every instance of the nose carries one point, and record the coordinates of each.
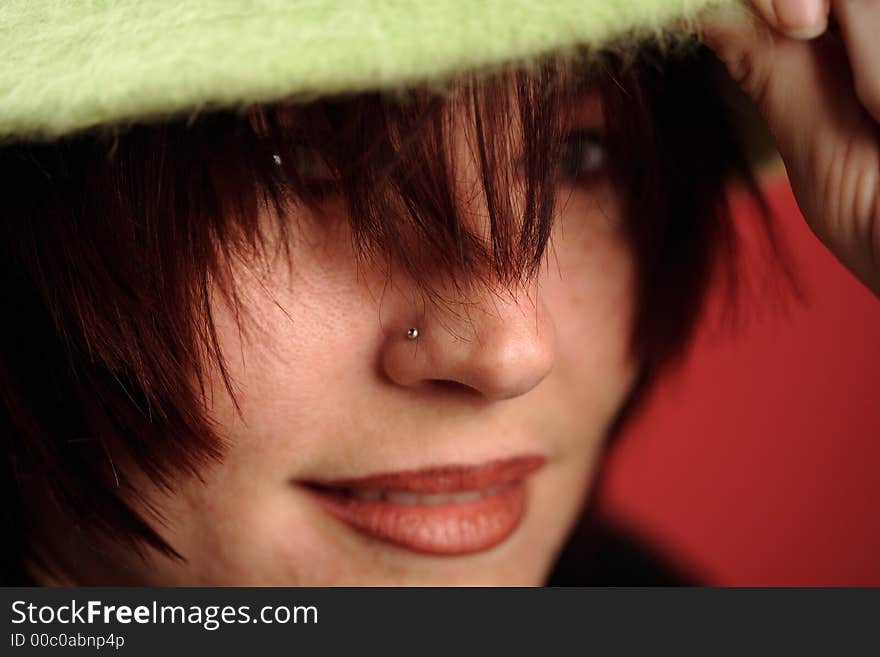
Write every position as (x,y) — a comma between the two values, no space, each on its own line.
(499,347)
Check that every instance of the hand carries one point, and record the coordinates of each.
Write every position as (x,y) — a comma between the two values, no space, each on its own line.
(819,92)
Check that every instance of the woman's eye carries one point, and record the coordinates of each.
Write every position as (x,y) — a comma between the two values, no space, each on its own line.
(309,165)
(311,170)
(583,157)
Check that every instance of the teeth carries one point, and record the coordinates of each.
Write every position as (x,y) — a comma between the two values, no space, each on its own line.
(406,497)
(369,495)
(433,500)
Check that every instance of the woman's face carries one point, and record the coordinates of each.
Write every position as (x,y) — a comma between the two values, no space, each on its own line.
(485,428)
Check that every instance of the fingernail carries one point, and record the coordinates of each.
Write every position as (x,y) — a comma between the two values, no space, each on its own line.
(801,19)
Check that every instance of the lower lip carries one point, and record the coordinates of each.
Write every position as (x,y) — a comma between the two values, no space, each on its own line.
(445,529)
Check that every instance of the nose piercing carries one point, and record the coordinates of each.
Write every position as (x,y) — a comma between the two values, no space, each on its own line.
(413,333)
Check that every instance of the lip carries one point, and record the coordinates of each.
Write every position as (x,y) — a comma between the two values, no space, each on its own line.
(446,510)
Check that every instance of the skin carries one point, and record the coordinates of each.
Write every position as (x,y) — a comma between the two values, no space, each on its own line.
(329,387)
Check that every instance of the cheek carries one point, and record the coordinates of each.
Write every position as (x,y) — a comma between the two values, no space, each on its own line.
(288,374)
(589,289)
(288,369)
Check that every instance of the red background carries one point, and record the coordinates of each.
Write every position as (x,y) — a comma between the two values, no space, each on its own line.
(758,462)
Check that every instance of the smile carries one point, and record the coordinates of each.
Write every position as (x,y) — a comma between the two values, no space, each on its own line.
(448,510)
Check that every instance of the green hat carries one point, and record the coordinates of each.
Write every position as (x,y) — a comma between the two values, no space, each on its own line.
(67,65)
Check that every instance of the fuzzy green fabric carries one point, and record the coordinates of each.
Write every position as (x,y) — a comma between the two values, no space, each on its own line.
(66,65)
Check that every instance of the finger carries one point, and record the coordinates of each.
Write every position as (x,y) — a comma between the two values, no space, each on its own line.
(859,22)
(798,19)
(778,72)
(802,87)
(805,91)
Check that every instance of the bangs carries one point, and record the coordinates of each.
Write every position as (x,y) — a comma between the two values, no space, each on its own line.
(396,165)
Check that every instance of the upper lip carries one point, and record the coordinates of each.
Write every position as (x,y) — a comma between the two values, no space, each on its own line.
(442,478)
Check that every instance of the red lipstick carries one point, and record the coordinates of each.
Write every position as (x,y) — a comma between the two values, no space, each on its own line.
(446,510)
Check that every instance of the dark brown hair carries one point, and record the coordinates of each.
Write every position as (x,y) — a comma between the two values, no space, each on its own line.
(111,244)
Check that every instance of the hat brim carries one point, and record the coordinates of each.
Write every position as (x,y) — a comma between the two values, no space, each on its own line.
(66,66)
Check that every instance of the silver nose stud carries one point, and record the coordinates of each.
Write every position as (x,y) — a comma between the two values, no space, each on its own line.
(413,333)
